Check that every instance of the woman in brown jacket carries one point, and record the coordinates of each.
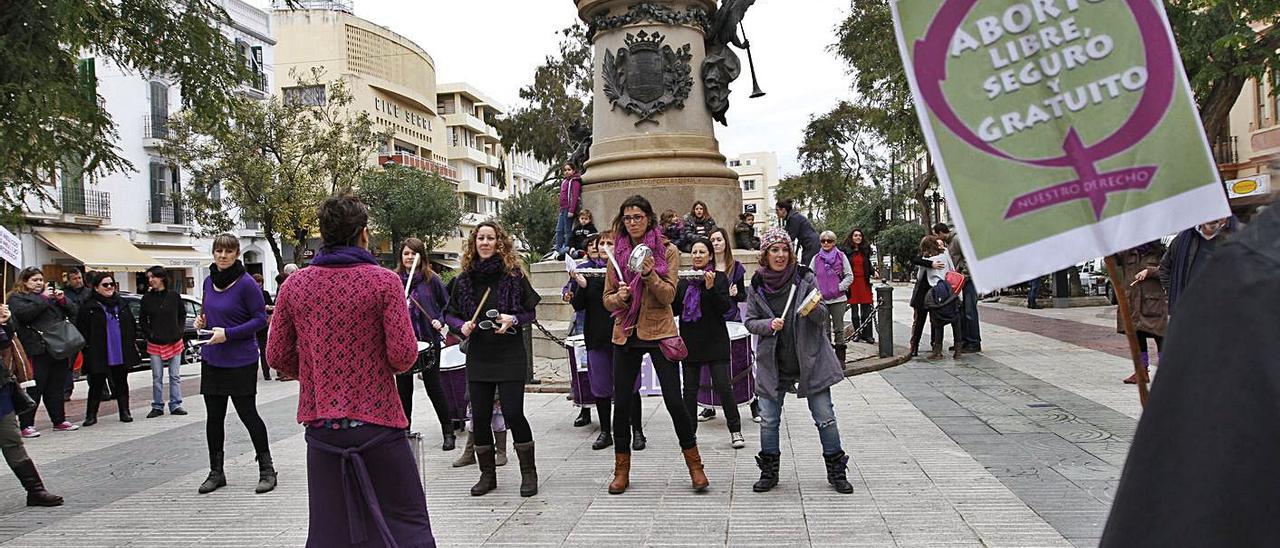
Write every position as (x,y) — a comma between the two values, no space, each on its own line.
(1148,303)
(641,308)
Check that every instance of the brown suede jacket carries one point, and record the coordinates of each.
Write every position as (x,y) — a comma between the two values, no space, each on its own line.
(656,322)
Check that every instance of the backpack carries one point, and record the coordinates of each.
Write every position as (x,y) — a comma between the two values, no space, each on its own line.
(942,302)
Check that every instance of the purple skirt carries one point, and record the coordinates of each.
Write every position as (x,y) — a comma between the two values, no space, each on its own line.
(454,382)
(368,495)
(741,376)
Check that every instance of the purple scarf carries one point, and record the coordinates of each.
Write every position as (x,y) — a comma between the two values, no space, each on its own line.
(830,271)
(509,298)
(343,255)
(622,251)
(774,281)
(692,311)
(115,345)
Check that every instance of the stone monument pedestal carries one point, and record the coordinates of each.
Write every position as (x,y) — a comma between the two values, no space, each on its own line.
(652,131)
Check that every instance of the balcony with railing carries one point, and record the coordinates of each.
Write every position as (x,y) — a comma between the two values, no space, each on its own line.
(166,210)
(155,129)
(408,159)
(81,202)
(1225,151)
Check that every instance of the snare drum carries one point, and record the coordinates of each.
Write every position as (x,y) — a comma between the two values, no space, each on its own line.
(579,379)
(741,375)
(453,379)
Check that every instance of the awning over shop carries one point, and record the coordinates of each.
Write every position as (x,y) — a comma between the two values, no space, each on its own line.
(178,256)
(102,252)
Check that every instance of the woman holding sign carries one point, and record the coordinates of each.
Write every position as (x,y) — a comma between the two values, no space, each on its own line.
(794,355)
(639,296)
(491,305)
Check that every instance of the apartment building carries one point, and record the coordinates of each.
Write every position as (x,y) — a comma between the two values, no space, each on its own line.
(1249,152)
(129,221)
(758,178)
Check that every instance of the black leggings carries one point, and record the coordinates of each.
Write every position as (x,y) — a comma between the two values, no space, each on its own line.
(119,377)
(247,408)
(1142,341)
(719,382)
(626,368)
(51,377)
(918,319)
(512,395)
(435,393)
(859,313)
(604,405)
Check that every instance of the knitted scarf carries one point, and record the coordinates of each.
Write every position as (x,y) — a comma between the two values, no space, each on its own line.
(222,279)
(509,298)
(774,281)
(830,269)
(622,251)
(692,311)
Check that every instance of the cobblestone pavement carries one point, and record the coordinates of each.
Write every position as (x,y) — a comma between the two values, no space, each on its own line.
(1019,446)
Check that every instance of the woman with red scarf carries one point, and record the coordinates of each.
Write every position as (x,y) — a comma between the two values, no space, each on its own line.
(494,290)
(641,306)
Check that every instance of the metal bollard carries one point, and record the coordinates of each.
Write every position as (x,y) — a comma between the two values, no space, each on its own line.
(884,319)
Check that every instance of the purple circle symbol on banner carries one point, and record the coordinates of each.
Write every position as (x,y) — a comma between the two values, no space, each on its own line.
(930,64)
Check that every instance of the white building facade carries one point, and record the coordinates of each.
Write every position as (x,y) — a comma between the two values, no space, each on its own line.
(758,179)
(128,221)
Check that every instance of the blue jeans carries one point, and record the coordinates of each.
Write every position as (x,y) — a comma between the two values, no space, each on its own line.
(824,417)
(157,382)
(1033,291)
(564,226)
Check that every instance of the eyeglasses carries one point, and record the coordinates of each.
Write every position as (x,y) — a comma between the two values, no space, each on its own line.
(108,284)
(629,219)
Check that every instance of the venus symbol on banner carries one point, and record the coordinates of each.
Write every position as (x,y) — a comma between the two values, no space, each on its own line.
(930,72)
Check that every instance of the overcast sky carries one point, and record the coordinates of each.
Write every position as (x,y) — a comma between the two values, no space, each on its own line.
(496,44)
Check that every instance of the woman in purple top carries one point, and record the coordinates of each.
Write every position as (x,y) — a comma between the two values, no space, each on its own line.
(234,311)
(109,332)
(427,297)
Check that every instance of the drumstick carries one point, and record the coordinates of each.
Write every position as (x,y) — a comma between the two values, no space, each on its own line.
(790,297)
(613,261)
(483,298)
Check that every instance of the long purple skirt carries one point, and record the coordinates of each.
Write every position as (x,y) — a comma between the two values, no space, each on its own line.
(454,382)
(341,508)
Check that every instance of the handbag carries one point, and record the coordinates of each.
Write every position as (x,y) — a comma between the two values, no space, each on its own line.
(22,402)
(62,340)
(16,362)
(956,281)
(673,348)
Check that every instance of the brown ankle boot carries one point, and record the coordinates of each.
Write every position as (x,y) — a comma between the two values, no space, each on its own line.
(694,461)
(621,473)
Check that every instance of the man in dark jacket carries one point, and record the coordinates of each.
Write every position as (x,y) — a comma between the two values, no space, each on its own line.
(163,320)
(1187,255)
(78,294)
(800,230)
(1201,470)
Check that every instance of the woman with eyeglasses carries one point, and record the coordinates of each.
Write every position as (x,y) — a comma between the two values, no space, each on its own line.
(492,304)
(641,306)
(831,267)
(37,306)
(109,331)
(234,312)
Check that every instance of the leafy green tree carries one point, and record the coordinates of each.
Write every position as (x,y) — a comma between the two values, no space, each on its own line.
(50,113)
(274,163)
(901,241)
(531,218)
(405,202)
(558,99)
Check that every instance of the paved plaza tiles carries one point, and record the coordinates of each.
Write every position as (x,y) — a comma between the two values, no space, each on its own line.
(1019,446)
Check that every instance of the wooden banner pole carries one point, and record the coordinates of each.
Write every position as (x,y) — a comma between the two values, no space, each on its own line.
(1121,287)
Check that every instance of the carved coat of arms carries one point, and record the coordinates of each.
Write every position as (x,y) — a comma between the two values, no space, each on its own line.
(646,77)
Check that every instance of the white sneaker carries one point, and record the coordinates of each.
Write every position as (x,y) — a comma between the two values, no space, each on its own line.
(736,440)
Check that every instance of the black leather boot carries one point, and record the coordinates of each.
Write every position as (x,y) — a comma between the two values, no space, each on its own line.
(837,465)
(216,478)
(123,402)
(91,410)
(30,479)
(769,465)
(528,469)
(266,473)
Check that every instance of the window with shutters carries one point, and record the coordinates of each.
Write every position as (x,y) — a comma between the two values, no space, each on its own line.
(158,123)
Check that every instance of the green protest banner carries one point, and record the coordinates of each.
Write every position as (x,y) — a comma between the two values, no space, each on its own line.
(1062,130)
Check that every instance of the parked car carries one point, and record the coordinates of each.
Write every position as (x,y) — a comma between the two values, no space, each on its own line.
(193,308)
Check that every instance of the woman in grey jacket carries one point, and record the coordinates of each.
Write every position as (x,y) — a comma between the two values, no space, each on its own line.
(794,355)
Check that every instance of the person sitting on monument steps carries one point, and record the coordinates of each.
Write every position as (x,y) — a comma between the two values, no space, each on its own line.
(793,355)
(641,307)
(698,224)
